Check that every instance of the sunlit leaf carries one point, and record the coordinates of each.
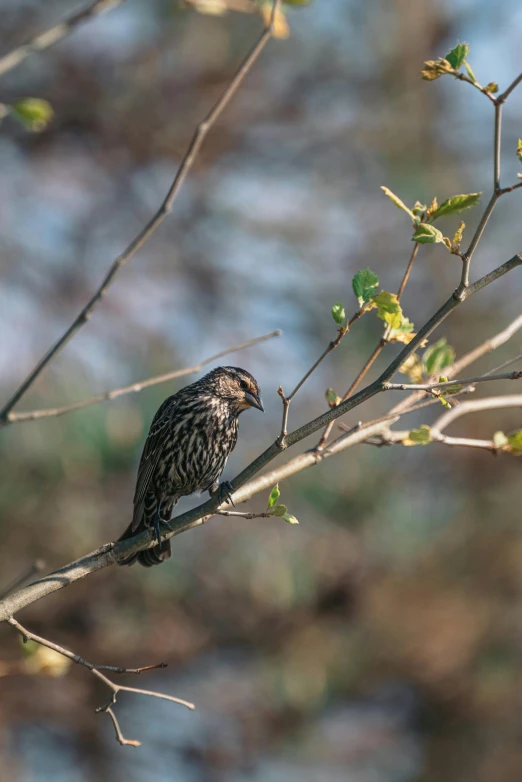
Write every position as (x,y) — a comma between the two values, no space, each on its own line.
(427,234)
(457,238)
(33,113)
(514,441)
(470,73)
(397,201)
(413,368)
(420,436)
(332,398)
(388,308)
(274,496)
(458,55)
(492,87)
(404,333)
(456,204)
(290,519)
(280,510)
(519,150)
(433,69)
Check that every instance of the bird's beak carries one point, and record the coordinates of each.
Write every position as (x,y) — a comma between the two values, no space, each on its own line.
(254,400)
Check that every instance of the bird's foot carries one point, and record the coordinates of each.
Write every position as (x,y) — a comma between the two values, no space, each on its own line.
(224,493)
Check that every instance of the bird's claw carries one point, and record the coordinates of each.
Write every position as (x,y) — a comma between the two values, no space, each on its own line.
(225,493)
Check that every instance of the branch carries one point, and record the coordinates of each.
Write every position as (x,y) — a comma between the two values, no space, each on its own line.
(165,208)
(449,383)
(110,553)
(48,38)
(27,635)
(31,415)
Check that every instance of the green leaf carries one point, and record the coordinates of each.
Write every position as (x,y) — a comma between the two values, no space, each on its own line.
(338,313)
(519,149)
(290,519)
(491,87)
(364,284)
(280,510)
(33,113)
(388,308)
(438,356)
(418,208)
(444,402)
(456,204)
(470,73)
(427,234)
(397,201)
(404,333)
(514,442)
(420,436)
(332,398)
(458,55)
(274,496)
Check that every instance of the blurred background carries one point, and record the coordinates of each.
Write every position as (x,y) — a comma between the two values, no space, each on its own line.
(381,640)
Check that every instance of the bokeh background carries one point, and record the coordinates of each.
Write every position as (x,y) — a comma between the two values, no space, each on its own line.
(381,640)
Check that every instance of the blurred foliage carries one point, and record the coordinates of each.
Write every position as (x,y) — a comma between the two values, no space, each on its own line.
(380,640)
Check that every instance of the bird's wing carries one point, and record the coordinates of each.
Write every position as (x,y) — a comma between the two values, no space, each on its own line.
(151,454)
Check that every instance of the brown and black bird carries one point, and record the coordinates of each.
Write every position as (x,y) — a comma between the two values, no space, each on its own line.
(189,442)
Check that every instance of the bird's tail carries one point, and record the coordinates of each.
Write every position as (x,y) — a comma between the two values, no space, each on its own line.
(149,557)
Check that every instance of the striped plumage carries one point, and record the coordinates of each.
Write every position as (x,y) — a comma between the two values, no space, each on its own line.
(189,442)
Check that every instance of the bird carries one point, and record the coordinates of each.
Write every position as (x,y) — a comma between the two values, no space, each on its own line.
(190,439)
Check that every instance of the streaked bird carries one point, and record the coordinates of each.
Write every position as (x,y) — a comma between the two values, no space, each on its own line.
(189,442)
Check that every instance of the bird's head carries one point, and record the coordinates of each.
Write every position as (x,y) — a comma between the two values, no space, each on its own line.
(237,387)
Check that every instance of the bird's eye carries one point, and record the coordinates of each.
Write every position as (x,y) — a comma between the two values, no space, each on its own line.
(243,384)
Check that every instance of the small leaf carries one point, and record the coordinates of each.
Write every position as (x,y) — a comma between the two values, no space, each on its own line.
(388,308)
(444,402)
(364,284)
(438,356)
(500,439)
(274,496)
(470,73)
(413,368)
(432,208)
(434,69)
(332,398)
(280,510)
(456,204)
(514,441)
(397,201)
(290,519)
(492,87)
(427,234)
(338,313)
(458,55)
(404,333)
(418,208)
(457,238)
(421,436)
(281,28)
(33,113)
(519,150)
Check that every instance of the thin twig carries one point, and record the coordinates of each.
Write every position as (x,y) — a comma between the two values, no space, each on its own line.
(48,38)
(27,635)
(505,95)
(450,383)
(145,233)
(343,330)
(241,515)
(31,415)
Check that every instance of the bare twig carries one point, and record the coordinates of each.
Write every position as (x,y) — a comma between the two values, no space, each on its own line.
(96,671)
(476,405)
(31,415)
(48,38)
(343,330)
(146,232)
(449,383)
(263,515)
